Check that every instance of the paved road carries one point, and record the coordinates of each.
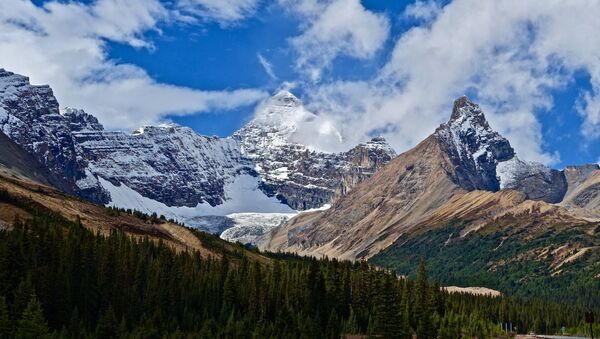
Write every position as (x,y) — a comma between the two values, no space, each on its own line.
(548,337)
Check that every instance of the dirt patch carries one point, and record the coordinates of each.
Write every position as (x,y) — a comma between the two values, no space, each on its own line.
(473,290)
(8,213)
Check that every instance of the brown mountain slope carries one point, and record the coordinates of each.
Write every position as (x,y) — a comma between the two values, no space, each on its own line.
(376,212)
(480,209)
(584,189)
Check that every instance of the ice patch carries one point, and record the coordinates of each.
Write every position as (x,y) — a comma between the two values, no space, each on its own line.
(89,181)
(241,195)
(249,227)
(510,170)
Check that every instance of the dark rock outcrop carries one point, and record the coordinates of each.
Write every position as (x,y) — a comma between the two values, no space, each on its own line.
(473,147)
(29,115)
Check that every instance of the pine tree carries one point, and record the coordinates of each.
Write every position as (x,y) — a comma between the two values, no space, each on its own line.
(5,327)
(422,305)
(406,311)
(32,324)
(387,310)
(22,296)
(75,328)
(351,325)
(107,325)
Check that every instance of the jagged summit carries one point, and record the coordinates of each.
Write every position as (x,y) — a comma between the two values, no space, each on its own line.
(80,121)
(379,143)
(473,146)
(301,175)
(466,113)
(463,106)
(10,78)
(283,111)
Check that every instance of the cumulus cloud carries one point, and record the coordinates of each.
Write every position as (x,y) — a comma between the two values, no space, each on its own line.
(64,45)
(423,10)
(508,55)
(334,28)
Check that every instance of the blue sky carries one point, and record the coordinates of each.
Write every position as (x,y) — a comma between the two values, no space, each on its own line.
(216,58)
(385,67)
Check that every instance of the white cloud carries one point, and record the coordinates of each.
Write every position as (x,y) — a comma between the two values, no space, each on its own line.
(225,12)
(510,55)
(423,10)
(338,27)
(64,45)
(267,66)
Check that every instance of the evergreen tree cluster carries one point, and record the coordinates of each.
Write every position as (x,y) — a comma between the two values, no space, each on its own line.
(483,258)
(58,279)
(153,218)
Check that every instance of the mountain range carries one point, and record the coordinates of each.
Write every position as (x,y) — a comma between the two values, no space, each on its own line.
(173,171)
(462,198)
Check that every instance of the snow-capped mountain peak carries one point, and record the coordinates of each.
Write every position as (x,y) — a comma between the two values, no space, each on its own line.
(469,131)
(286,98)
(485,160)
(284,112)
(81,121)
(464,108)
(473,146)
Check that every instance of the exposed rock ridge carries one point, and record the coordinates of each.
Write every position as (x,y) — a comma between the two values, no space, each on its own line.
(29,115)
(473,147)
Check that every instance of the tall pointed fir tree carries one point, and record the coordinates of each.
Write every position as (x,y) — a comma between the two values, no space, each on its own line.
(423,314)
(5,326)
(32,324)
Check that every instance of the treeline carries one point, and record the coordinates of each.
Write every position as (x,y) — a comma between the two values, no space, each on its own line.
(58,279)
(152,218)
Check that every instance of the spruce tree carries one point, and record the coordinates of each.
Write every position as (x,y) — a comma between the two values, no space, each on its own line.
(406,311)
(22,296)
(351,325)
(5,327)
(422,305)
(32,324)
(107,325)
(387,311)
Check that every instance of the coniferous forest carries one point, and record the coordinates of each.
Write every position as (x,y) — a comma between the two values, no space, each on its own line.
(60,280)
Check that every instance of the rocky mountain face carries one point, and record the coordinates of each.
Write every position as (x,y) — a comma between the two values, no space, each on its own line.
(537,181)
(485,160)
(170,164)
(16,163)
(302,177)
(173,169)
(473,147)
(463,155)
(29,115)
(583,187)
